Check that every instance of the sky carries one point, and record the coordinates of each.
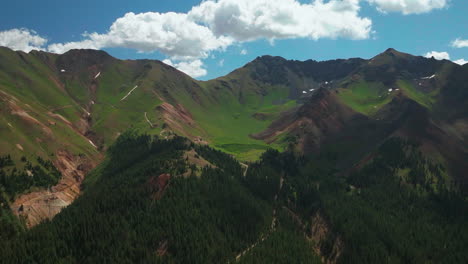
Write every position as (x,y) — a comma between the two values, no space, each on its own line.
(208,39)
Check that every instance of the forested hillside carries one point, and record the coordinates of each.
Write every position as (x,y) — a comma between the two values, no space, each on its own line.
(149,202)
(132,161)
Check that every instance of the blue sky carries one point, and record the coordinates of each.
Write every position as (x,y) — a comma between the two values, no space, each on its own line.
(210,39)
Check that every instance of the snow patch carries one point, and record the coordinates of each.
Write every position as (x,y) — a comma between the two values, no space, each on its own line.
(311,90)
(390,90)
(429,77)
(88,113)
(304,92)
(90,142)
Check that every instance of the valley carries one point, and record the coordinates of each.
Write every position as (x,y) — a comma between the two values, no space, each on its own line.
(133,161)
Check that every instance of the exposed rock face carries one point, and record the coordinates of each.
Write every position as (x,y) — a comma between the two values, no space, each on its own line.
(328,245)
(37,206)
(158,184)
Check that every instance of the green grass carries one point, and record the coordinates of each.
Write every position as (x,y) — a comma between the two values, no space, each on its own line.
(368,97)
(365,97)
(223,117)
(228,122)
(239,148)
(425,99)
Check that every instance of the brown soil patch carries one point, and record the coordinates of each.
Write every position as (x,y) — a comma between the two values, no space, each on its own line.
(178,119)
(320,231)
(17,110)
(192,157)
(157,185)
(45,204)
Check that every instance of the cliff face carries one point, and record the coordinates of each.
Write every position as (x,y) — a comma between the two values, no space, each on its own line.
(38,206)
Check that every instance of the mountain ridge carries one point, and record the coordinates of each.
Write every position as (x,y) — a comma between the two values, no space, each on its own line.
(79,103)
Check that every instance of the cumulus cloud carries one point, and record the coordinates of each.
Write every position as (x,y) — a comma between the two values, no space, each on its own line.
(460,43)
(461,61)
(408,6)
(444,56)
(193,68)
(438,55)
(243,52)
(22,39)
(173,34)
(247,20)
(214,25)
(64,47)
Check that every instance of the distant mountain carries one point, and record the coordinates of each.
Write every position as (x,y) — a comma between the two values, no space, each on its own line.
(342,161)
(68,109)
(392,95)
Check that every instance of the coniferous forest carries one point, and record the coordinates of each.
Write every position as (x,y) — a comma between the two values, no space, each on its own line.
(147,204)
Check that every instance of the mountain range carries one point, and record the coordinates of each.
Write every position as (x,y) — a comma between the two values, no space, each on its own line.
(65,120)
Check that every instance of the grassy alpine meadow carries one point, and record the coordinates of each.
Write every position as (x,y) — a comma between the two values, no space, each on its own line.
(365,97)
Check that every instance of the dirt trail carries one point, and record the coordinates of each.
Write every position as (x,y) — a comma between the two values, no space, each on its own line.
(129,93)
(263,237)
(147,120)
(246,168)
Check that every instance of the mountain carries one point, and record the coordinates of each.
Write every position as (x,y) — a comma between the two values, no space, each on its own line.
(392,95)
(315,159)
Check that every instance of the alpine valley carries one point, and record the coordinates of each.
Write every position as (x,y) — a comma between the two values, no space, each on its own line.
(132,161)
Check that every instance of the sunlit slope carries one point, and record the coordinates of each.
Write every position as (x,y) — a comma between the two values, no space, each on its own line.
(37,114)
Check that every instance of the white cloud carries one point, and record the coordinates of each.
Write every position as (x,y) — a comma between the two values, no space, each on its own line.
(460,43)
(408,6)
(221,63)
(243,52)
(62,48)
(461,61)
(173,34)
(22,39)
(193,68)
(444,56)
(214,25)
(247,20)
(438,55)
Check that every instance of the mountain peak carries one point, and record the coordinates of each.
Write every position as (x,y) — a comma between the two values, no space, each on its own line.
(393,53)
(268,59)
(78,59)
(87,52)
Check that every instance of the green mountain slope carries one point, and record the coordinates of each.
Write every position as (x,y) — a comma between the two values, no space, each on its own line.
(68,110)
